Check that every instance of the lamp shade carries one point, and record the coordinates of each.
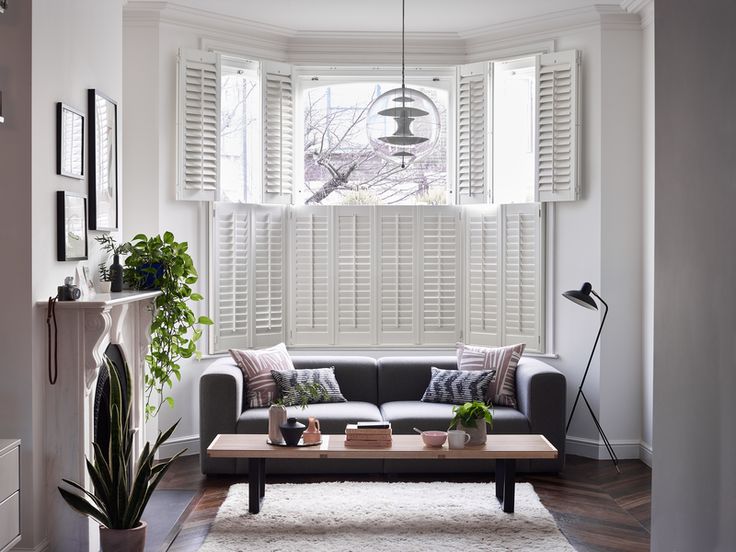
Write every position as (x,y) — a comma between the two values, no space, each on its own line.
(582,296)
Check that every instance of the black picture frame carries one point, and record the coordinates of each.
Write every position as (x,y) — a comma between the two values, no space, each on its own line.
(102,117)
(70,132)
(71,221)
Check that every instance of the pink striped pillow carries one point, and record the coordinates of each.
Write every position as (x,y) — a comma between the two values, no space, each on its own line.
(504,360)
(260,387)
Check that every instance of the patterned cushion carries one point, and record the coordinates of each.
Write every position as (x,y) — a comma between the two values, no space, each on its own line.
(287,380)
(457,387)
(502,360)
(260,388)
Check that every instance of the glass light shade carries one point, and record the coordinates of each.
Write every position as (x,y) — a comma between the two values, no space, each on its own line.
(403,125)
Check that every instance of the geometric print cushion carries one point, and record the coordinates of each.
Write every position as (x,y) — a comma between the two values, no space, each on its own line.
(457,387)
(287,380)
(260,387)
(502,360)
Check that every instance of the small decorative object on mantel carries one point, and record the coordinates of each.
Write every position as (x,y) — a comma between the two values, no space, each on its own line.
(113,274)
(71,226)
(472,418)
(102,113)
(292,431)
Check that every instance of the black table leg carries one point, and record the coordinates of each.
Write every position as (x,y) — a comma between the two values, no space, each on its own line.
(256,478)
(262,465)
(506,483)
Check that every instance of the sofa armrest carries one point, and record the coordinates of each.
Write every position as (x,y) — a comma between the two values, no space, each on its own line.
(220,405)
(541,395)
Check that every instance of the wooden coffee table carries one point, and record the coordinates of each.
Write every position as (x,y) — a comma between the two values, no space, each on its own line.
(504,449)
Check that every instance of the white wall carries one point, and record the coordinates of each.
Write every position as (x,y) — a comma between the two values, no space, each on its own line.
(592,241)
(694,482)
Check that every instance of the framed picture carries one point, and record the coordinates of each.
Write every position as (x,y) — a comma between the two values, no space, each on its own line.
(71,226)
(103,161)
(69,141)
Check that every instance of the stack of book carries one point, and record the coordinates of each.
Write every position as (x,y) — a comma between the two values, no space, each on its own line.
(368,435)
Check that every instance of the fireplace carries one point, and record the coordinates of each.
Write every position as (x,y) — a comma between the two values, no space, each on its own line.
(77,406)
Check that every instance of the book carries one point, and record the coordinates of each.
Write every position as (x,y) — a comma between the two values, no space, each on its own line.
(355,429)
(368,437)
(374,425)
(359,443)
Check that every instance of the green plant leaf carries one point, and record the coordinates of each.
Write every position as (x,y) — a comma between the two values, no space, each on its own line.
(207,321)
(82,506)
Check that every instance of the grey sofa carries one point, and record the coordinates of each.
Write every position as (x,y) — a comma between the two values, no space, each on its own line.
(389,389)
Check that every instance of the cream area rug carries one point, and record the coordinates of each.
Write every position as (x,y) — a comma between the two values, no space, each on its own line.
(376,517)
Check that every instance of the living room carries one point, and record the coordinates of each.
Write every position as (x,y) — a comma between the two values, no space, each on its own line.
(376,218)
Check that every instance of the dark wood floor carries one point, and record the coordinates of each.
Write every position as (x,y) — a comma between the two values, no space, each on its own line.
(596,508)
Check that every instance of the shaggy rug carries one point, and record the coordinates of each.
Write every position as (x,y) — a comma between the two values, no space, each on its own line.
(383,516)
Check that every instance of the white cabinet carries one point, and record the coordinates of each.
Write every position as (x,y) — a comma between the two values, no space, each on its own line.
(9,493)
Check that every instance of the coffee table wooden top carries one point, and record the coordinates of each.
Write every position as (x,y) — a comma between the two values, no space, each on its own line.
(408,447)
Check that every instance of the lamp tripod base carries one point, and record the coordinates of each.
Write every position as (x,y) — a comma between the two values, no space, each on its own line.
(606,442)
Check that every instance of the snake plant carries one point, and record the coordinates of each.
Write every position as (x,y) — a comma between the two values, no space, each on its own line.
(121,490)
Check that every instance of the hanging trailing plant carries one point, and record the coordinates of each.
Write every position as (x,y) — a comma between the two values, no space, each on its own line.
(162,263)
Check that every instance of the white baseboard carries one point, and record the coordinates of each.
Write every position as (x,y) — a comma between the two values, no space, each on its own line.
(42,546)
(589,448)
(646,453)
(175,444)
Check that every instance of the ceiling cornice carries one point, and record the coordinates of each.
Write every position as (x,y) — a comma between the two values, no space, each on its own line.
(440,47)
(644,8)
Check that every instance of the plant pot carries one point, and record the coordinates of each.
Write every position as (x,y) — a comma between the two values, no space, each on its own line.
(477,433)
(150,274)
(123,540)
(102,287)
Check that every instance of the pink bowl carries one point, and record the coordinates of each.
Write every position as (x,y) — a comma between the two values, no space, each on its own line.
(434,438)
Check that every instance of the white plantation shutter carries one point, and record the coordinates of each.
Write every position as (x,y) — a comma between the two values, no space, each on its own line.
(522,275)
(557,177)
(354,300)
(268,274)
(473,136)
(198,125)
(278,132)
(483,275)
(441,252)
(312,276)
(231,227)
(396,275)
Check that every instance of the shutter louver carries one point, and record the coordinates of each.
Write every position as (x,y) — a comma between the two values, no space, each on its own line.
(278,133)
(523,258)
(354,261)
(232,265)
(472,133)
(557,176)
(198,125)
(441,251)
(311,295)
(483,276)
(268,273)
(396,278)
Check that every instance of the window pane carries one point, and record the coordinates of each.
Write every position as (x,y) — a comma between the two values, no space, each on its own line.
(240,160)
(340,167)
(513,131)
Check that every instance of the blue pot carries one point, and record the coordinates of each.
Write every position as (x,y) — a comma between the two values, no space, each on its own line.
(150,273)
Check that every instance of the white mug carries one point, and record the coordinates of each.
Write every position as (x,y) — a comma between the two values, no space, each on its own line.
(457,439)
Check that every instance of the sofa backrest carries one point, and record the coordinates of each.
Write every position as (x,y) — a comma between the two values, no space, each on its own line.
(406,378)
(357,376)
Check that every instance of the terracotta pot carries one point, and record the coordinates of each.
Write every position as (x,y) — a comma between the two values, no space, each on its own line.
(312,434)
(477,433)
(123,540)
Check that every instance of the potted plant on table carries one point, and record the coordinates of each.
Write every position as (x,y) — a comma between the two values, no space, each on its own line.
(160,262)
(472,418)
(301,394)
(121,489)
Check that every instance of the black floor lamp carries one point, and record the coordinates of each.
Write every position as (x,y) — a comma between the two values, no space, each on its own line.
(582,297)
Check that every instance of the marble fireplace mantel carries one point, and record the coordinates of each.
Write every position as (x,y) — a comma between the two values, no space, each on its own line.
(85,329)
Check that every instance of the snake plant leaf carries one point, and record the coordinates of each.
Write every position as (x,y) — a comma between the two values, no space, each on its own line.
(90,497)
(83,507)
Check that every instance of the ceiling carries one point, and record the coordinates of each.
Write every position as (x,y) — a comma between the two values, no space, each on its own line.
(454,16)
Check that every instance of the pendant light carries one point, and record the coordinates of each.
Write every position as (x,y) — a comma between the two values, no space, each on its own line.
(403,124)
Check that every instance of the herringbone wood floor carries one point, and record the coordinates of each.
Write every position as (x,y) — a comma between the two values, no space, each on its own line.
(596,508)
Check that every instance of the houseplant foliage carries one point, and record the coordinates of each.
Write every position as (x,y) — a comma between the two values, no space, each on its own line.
(111,248)
(160,262)
(121,489)
(302,394)
(472,418)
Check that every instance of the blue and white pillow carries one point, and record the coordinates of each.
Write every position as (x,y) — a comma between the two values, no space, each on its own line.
(287,380)
(458,386)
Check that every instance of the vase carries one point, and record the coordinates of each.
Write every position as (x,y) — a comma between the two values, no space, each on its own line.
(477,433)
(292,431)
(102,286)
(116,274)
(312,434)
(123,540)
(276,417)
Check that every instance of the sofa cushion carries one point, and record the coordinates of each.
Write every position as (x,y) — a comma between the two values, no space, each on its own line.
(260,387)
(406,378)
(457,386)
(333,417)
(288,380)
(405,415)
(502,360)
(356,376)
